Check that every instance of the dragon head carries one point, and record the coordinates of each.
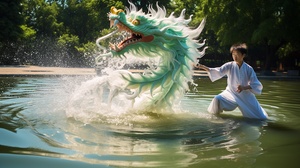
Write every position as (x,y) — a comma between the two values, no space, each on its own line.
(133,25)
(167,40)
(152,34)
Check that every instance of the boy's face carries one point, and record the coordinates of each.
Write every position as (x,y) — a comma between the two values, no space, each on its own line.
(237,56)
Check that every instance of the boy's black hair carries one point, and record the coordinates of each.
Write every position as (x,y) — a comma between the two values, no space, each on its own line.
(241,47)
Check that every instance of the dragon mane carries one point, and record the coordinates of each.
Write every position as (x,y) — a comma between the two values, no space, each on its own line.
(156,35)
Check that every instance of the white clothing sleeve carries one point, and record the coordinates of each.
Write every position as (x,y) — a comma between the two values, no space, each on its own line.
(255,84)
(219,72)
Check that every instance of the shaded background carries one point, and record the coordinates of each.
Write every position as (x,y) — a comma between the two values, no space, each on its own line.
(63,32)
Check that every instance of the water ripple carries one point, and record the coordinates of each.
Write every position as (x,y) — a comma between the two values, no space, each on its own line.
(33,121)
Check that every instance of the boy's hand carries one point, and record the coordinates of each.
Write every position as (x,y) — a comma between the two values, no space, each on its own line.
(240,88)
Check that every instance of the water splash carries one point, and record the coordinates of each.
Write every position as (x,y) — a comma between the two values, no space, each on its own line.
(104,99)
(166,48)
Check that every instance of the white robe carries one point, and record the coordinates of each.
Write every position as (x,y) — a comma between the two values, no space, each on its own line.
(229,99)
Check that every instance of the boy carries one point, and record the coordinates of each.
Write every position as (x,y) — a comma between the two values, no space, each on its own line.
(242,85)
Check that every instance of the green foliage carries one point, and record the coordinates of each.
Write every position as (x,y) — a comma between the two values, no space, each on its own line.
(88,49)
(271,28)
(68,40)
(28,32)
(192,7)
(266,24)
(42,17)
(10,21)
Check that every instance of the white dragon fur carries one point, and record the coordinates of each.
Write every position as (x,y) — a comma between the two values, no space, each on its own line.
(174,42)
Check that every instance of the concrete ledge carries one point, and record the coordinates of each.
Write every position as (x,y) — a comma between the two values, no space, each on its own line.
(43,71)
(15,71)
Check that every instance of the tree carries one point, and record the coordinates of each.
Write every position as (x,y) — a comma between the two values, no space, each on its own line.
(260,23)
(11,31)
(11,20)
(42,17)
(86,18)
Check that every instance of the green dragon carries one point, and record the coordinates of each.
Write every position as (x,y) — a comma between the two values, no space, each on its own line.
(155,35)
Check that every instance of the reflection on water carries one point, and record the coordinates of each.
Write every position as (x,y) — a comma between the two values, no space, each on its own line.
(35,129)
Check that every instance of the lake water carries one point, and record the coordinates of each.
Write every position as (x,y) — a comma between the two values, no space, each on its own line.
(36,129)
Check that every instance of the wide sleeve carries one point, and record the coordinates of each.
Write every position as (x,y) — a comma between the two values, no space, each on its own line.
(255,84)
(218,72)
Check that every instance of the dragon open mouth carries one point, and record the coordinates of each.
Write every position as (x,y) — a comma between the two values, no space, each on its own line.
(135,37)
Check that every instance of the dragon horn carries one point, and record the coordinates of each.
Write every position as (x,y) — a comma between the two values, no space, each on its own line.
(115,11)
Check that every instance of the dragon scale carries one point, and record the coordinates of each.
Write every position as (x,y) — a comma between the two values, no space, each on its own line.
(155,35)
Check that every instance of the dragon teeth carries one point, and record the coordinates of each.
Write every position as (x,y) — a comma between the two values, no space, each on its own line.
(111,45)
(111,23)
(114,46)
(127,35)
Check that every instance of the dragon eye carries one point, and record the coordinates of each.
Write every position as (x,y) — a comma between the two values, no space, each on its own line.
(135,22)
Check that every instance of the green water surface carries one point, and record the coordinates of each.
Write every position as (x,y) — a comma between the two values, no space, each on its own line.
(36,132)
